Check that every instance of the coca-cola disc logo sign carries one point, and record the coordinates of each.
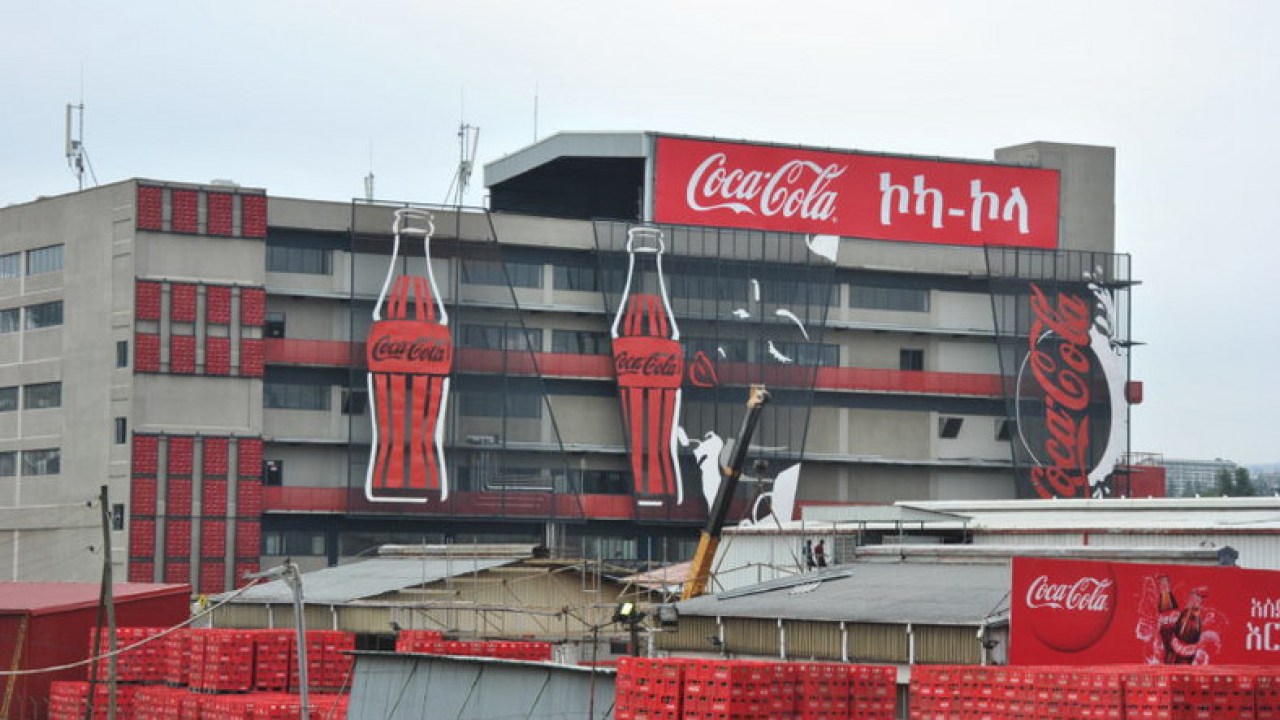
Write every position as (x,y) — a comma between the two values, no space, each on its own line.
(1070,607)
(797,190)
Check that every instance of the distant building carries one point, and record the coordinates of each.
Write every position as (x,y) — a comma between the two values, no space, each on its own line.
(1186,478)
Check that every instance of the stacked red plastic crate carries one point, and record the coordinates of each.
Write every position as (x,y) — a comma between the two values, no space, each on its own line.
(873,692)
(177,540)
(69,699)
(141,664)
(176,654)
(273,657)
(716,689)
(329,661)
(142,537)
(213,538)
(823,691)
(143,495)
(222,661)
(420,641)
(650,689)
(213,496)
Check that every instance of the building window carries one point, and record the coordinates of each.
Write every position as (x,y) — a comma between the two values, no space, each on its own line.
(9,399)
(910,359)
(122,353)
(8,464)
(493,272)
(293,542)
(42,395)
(1004,429)
(949,427)
(582,279)
(605,482)
(490,404)
(716,349)
(273,472)
(493,337)
(44,315)
(275,325)
(10,320)
(354,402)
(801,353)
(42,462)
(580,342)
(10,265)
(122,430)
(117,517)
(311,261)
(295,396)
(869,297)
(44,260)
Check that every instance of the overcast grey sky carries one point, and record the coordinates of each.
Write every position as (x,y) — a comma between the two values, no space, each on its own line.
(290,96)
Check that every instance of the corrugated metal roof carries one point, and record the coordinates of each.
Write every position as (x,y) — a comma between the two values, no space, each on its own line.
(877,514)
(347,583)
(1155,515)
(39,598)
(926,593)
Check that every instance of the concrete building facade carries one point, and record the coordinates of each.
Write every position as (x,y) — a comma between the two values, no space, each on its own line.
(204,350)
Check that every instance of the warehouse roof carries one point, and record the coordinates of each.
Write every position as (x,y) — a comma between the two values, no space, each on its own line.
(925,593)
(1219,514)
(348,583)
(39,598)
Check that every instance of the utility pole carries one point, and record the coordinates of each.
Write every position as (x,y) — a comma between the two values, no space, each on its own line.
(109,601)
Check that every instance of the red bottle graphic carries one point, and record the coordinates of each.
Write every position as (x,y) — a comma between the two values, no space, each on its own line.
(1167,614)
(649,363)
(409,353)
(1186,632)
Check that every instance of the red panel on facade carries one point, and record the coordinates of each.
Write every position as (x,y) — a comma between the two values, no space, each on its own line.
(213,576)
(182,354)
(177,570)
(245,566)
(249,497)
(213,497)
(150,208)
(146,454)
(215,456)
(213,538)
(141,570)
(146,352)
(218,213)
(177,539)
(335,353)
(253,306)
(181,455)
(305,499)
(253,216)
(142,496)
(142,537)
(178,497)
(250,457)
(248,538)
(146,300)
(217,356)
(182,302)
(217,302)
(186,207)
(251,357)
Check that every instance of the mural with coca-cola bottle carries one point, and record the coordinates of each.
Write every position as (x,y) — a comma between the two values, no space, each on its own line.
(410,355)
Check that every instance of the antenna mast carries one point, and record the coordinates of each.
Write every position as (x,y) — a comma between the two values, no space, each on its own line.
(368,179)
(468,142)
(74,148)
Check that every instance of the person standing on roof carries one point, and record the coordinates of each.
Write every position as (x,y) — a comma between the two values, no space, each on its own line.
(820,553)
(807,549)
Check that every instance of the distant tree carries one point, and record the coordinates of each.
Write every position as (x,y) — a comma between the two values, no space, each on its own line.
(1235,483)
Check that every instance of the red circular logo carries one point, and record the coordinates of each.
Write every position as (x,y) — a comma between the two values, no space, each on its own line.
(1070,610)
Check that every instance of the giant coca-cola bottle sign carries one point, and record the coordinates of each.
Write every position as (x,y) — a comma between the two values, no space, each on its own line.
(409,352)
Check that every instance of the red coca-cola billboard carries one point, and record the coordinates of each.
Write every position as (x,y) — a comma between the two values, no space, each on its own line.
(783,189)
(1076,612)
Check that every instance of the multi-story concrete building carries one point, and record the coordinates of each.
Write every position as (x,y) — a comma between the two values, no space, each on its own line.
(1187,478)
(202,350)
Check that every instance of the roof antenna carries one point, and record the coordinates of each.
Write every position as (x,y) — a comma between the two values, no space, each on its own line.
(468,142)
(368,179)
(73,148)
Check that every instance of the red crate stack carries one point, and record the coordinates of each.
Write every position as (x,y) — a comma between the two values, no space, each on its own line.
(146,352)
(181,455)
(225,661)
(143,495)
(142,537)
(142,664)
(253,216)
(420,641)
(273,657)
(182,302)
(217,304)
(329,661)
(186,211)
(146,454)
(213,497)
(178,497)
(650,689)
(873,692)
(182,354)
(253,306)
(69,700)
(213,574)
(150,207)
(177,656)
(177,538)
(218,213)
(934,692)
(147,300)
(823,691)
(157,702)
(252,359)
(714,689)
(217,355)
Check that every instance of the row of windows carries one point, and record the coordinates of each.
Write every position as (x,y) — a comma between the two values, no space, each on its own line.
(39,316)
(311,261)
(41,260)
(34,462)
(949,428)
(34,397)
